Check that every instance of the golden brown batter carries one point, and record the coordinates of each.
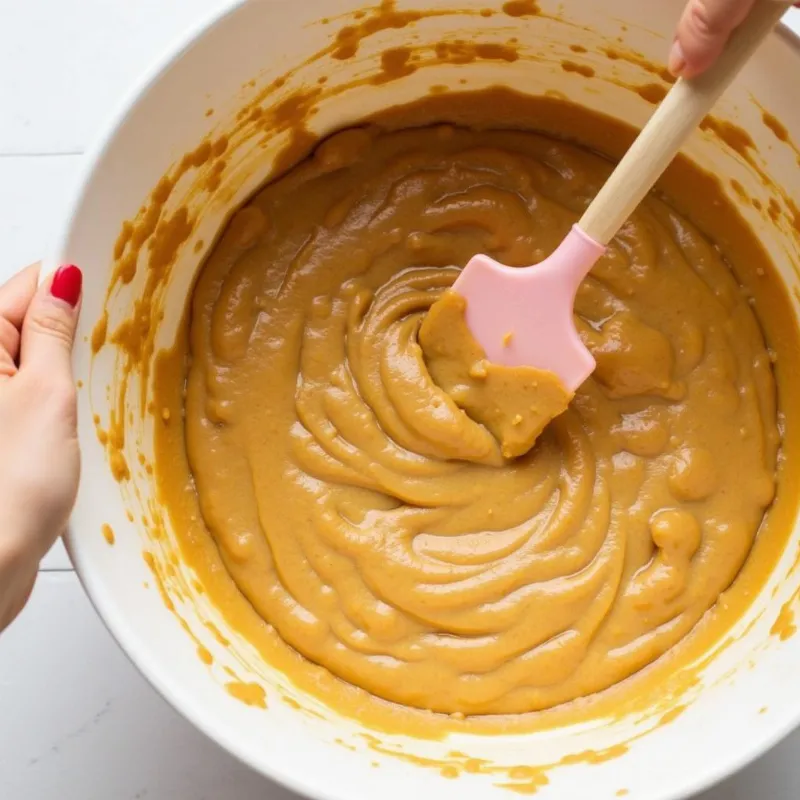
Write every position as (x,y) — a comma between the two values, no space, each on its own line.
(513,403)
(376,525)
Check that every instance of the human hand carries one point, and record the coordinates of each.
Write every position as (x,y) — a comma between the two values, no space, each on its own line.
(39,456)
(702,32)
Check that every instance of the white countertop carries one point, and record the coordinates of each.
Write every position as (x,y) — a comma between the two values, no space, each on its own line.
(77,721)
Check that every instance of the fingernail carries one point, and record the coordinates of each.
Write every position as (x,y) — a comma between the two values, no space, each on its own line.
(677,59)
(67,284)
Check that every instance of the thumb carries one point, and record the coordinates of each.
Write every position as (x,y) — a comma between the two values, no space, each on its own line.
(702,32)
(48,329)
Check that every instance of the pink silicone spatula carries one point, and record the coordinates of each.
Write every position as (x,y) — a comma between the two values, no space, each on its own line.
(534,304)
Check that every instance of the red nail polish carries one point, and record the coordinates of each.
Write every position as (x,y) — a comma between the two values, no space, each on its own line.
(67,284)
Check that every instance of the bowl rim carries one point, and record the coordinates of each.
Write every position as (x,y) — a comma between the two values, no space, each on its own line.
(724,766)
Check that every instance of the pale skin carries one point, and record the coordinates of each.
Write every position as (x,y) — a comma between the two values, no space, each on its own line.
(704,27)
(39,453)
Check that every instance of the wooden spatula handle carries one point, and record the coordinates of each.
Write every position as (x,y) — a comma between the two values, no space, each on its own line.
(681,111)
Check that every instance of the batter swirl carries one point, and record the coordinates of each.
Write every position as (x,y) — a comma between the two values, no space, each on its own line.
(381,529)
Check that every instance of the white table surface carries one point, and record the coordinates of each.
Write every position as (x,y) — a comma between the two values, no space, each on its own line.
(77,721)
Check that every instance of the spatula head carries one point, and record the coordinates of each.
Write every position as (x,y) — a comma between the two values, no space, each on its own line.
(523,315)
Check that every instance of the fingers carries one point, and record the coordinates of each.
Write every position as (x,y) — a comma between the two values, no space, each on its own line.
(15,297)
(48,329)
(702,32)
(17,293)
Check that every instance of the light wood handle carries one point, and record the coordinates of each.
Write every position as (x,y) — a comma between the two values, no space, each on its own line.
(681,111)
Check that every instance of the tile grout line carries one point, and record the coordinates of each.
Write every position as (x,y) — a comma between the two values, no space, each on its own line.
(43,154)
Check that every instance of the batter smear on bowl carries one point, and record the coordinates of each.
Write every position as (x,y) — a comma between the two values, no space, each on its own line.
(412,529)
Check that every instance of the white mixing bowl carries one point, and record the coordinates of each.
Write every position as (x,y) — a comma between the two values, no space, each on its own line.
(722,727)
